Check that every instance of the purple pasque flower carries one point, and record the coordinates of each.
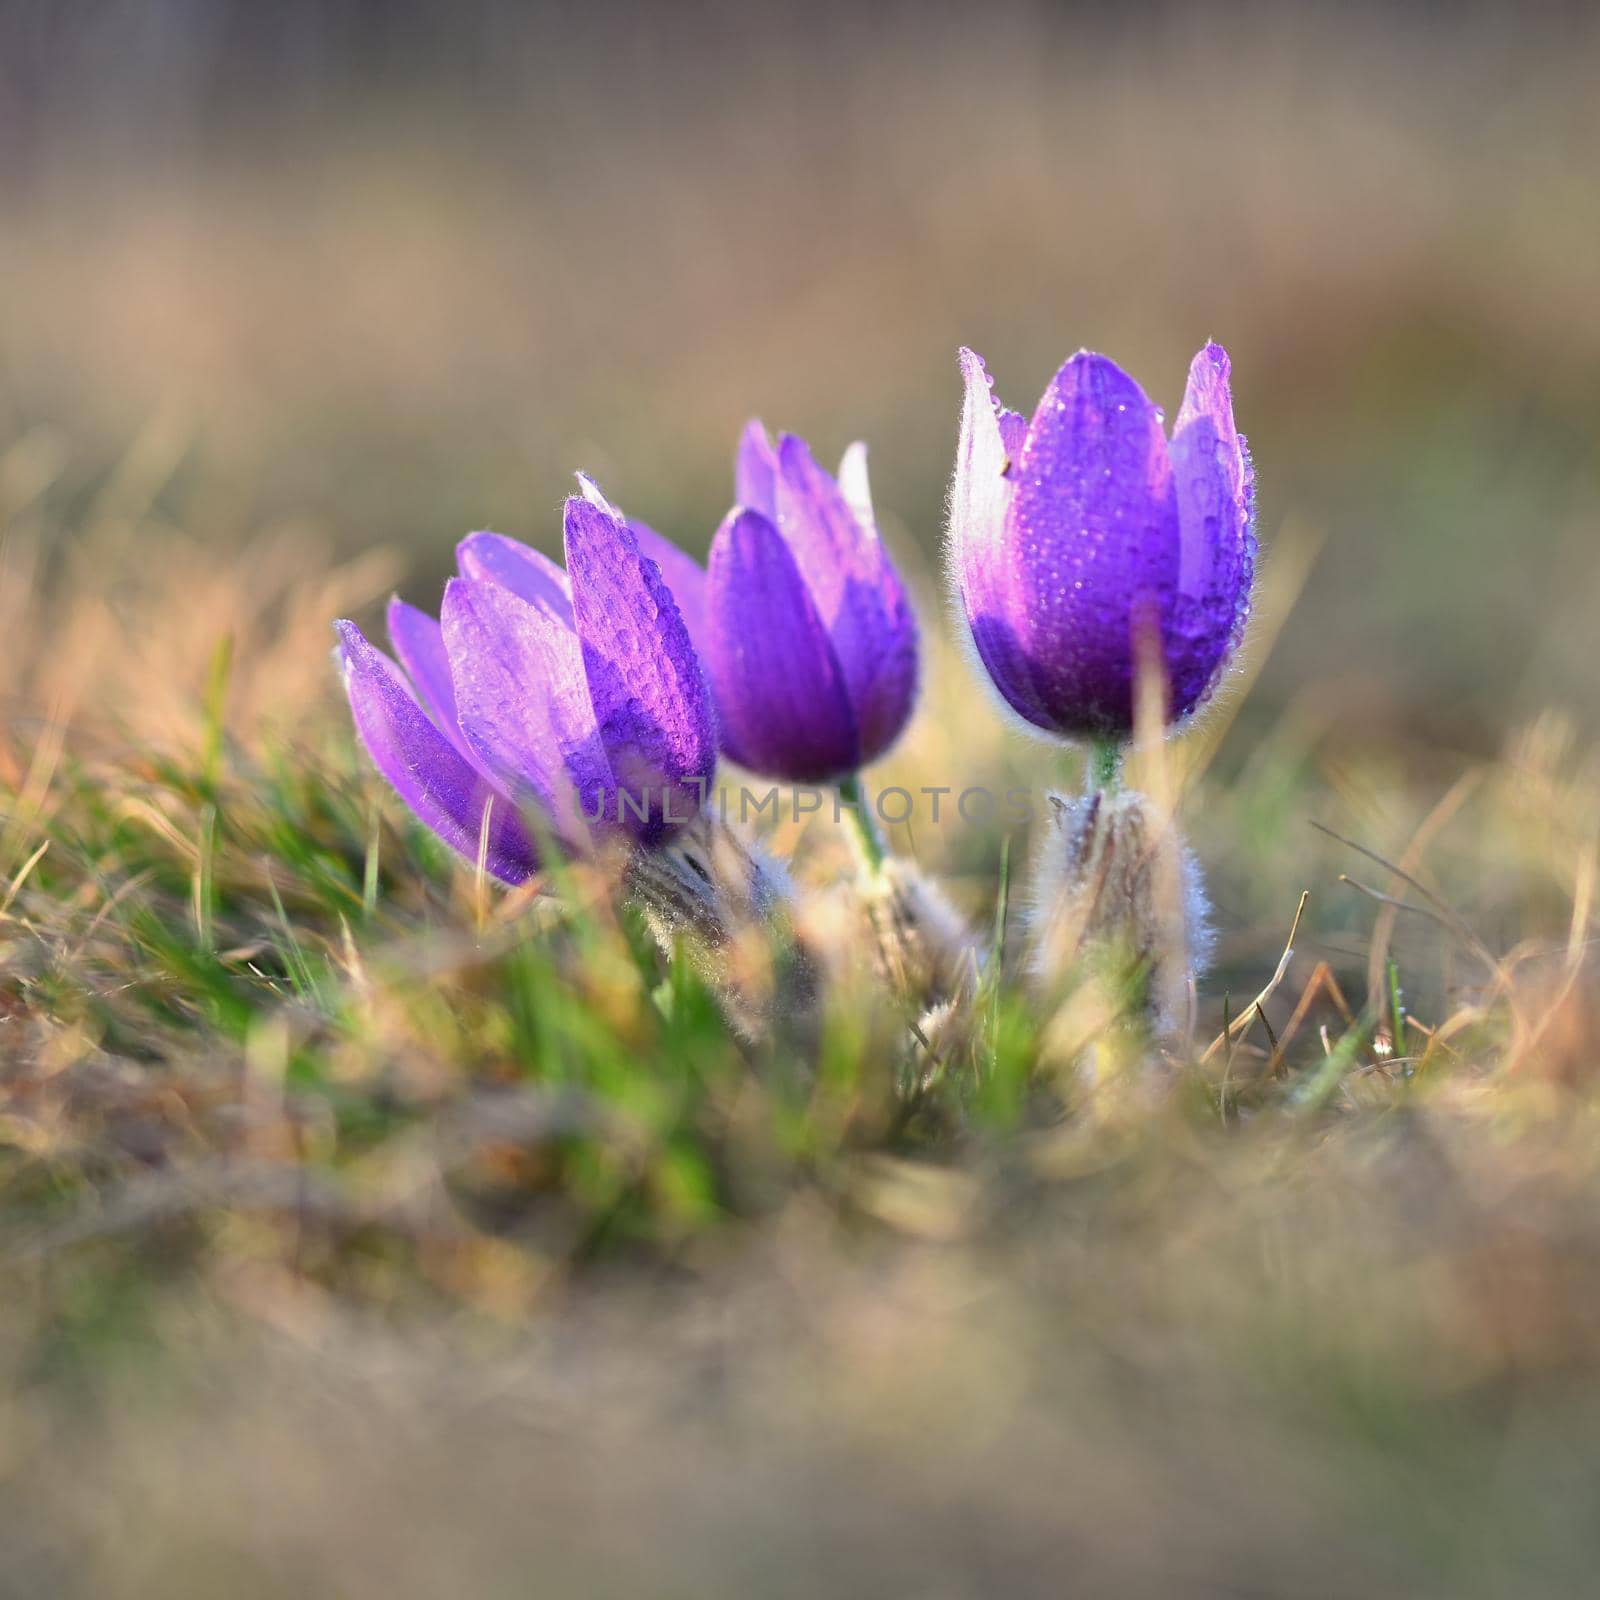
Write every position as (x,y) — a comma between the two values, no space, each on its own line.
(1077,536)
(803,623)
(574,694)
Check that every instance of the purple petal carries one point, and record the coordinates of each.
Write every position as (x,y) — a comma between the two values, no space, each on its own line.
(1211,470)
(981,492)
(683,575)
(686,578)
(1013,430)
(755,472)
(646,685)
(591,492)
(854,486)
(985,573)
(829,543)
(523,701)
(425,769)
(886,708)
(1092,532)
(777,679)
(526,572)
(419,643)
(1215,487)
(857,593)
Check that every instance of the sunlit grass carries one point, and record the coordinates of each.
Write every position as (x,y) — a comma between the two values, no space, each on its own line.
(368,1230)
(239,980)
(275,1062)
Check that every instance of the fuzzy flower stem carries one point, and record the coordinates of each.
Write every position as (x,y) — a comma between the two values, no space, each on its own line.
(868,836)
(1105,765)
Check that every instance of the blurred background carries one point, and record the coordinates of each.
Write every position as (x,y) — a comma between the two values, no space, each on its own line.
(291,297)
(394,270)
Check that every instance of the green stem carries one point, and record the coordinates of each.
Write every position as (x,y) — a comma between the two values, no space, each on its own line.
(1105,764)
(869,839)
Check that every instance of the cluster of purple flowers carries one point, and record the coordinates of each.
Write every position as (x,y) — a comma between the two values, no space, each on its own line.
(553,708)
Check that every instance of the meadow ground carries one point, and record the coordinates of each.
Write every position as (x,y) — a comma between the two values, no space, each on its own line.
(368,1230)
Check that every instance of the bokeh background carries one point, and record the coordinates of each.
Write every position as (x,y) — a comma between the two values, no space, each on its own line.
(294,295)
(394,270)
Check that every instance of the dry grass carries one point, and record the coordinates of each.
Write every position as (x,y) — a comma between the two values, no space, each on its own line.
(332,1186)
(363,1231)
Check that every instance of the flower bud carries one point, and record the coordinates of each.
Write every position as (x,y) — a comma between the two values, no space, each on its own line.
(1075,534)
